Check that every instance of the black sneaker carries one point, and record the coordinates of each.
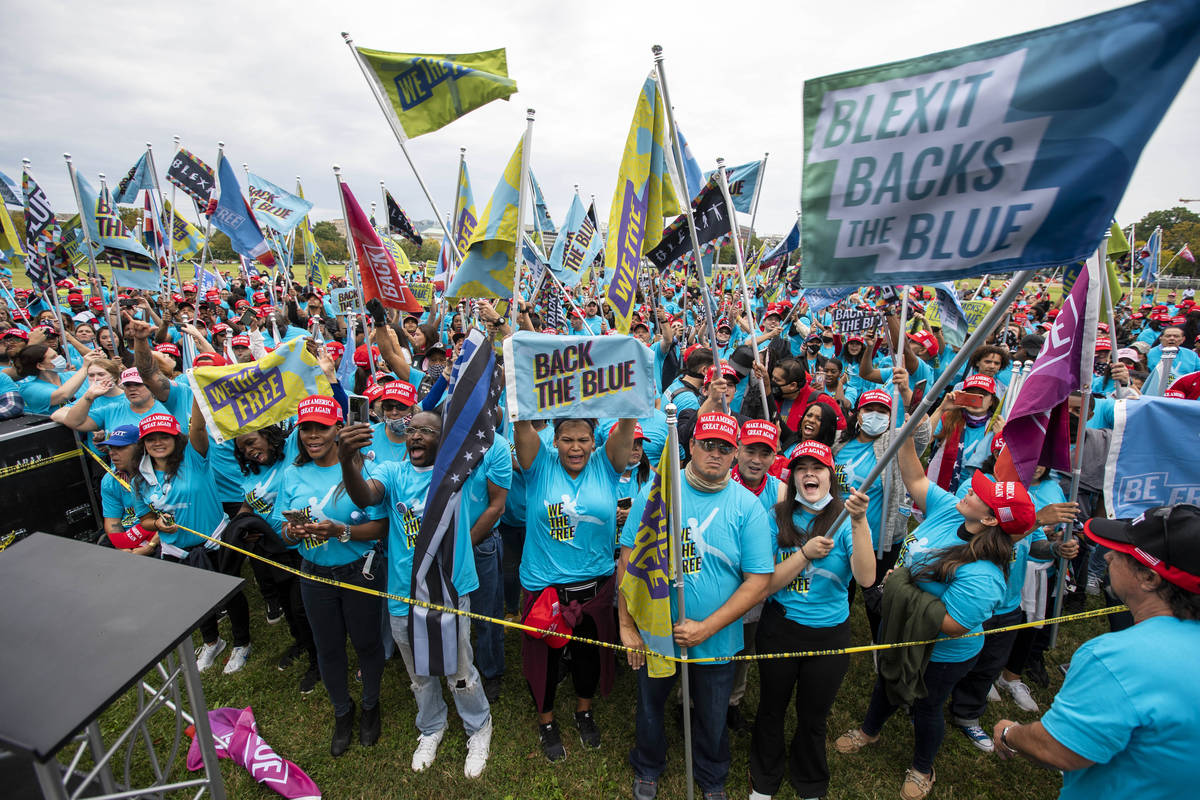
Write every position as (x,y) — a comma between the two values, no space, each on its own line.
(589,734)
(1036,670)
(274,612)
(491,689)
(289,656)
(310,680)
(735,721)
(552,746)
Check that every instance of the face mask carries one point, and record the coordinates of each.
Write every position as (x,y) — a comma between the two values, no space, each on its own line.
(397,427)
(874,422)
(814,347)
(816,505)
(59,363)
(977,418)
(435,370)
(776,393)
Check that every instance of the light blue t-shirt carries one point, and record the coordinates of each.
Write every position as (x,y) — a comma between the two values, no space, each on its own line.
(722,539)
(1020,557)
(405,489)
(1131,703)
(120,503)
(1186,361)
(37,393)
(817,596)
(568,521)
(976,590)
(319,491)
(852,464)
(190,495)
(514,504)
(383,450)
(495,467)
(682,396)
(260,490)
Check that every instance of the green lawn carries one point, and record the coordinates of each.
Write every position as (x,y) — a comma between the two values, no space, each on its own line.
(298,727)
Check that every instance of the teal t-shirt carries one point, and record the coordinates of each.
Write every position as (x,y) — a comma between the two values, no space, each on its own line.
(722,539)
(190,495)
(319,491)
(817,596)
(120,503)
(852,464)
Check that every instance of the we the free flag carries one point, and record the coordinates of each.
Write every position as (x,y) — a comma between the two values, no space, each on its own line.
(1006,155)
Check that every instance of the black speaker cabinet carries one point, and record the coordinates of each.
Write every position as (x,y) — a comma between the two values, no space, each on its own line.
(43,484)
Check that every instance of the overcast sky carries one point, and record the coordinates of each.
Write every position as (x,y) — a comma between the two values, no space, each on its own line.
(276,83)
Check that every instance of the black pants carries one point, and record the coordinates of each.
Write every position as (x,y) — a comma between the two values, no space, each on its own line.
(275,584)
(237,607)
(815,681)
(335,613)
(584,664)
(968,701)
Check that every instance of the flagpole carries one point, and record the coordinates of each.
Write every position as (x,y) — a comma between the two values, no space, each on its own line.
(353,269)
(911,420)
(394,124)
(453,226)
(762,174)
(1119,391)
(167,227)
(522,197)
(173,264)
(208,225)
(687,212)
(741,270)
(1086,360)
(83,220)
(676,520)
(1132,260)
(897,352)
(979,286)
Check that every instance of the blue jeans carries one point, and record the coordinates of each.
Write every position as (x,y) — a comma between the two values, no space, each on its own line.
(333,613)
(465,687)
(711,685)
(488,600)
(929,723)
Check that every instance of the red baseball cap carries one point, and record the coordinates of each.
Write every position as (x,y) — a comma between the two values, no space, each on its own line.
(373,392)
(977,381)
(926,340)
(998,442)
(335,350)
(716,425)
(97,303)
(168,348)
(74,297)
(221,327)
(759,431)
(209,360)
(637,431)
(360,355)
(1008,500)
(881,396)
(400,391)
(240,341)
(212,294)
(319,408)
(1103,343)
(131,538)
(16,333)
(812,448)
(189,287)
(727,372)
(1186,387)
(259,298)
(157,423)
(242,303)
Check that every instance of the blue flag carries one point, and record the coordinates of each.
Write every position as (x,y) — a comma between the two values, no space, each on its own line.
(786,245)
(1005,155)
(278,209)
(692,175)
(1148,257)
(234,218)
(743,184)
(545,223)
(1149,463)
(954,319)
(138,178)
(10,194)
(820,299)
(132,264)
(577,244)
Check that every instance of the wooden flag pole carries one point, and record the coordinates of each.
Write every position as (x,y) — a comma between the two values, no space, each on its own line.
(398,132)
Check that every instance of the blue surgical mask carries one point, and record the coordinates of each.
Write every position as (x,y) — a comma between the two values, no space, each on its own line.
(817,505)
(398,427)
(874,423)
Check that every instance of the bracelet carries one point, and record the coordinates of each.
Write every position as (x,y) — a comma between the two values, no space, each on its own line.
(804,553)
(1004,737)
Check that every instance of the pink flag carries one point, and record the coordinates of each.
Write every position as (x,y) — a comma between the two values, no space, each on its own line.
(235,735)
(1186,253)
(1038,427)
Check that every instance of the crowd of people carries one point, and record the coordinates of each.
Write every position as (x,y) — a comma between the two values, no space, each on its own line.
(780,421)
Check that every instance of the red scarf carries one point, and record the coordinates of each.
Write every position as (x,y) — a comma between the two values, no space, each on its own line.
(736,474)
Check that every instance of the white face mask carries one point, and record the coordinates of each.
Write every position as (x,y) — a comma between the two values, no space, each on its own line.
(59,363)
(874,423)
(816,505)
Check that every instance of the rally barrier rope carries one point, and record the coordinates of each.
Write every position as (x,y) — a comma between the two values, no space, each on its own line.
(866,648)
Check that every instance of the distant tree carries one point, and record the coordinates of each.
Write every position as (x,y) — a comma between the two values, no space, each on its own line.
(1167,218)
(332,243)
(220,248)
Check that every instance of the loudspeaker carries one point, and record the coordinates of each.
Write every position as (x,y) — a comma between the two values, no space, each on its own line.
(43,484)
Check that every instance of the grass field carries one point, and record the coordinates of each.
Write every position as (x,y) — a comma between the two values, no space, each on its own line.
(299,726)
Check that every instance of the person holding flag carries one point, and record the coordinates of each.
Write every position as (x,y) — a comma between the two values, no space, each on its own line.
(726,571)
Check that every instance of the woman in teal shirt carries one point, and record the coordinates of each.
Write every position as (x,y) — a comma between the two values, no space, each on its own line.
(807,610)
(335,539)
(43,388)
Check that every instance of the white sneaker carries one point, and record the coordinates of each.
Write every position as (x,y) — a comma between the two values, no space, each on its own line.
(993,695)
(237,659)
(1022,696)
(206,656)
(478,748)
(426,750)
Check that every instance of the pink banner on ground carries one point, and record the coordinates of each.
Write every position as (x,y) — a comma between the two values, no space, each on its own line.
(235,735)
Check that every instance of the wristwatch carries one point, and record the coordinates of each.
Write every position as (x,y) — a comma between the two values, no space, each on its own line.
(345,537)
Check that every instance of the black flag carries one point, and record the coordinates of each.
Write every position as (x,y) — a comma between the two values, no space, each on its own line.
(712,223)
(398,221)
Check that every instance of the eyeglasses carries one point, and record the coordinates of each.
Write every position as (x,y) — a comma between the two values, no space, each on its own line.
(708,445)
(425,430)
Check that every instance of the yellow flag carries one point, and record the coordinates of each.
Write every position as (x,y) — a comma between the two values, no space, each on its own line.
(644,196)
(488,265)
(9,241)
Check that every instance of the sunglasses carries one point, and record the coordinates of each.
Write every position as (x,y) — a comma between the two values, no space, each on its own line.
(708,445)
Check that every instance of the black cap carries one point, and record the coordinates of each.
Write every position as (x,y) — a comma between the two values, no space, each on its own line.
(1164,538)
